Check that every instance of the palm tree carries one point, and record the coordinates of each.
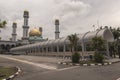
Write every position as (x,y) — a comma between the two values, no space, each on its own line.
(73,42)
(98,43)
(116,34)
(113,48)
(3,24)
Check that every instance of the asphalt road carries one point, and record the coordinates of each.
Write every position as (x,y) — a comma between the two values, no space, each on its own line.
(31,72)
(27,70)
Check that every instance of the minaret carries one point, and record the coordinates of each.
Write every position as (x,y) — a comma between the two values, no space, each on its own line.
(14,31)
(40,29)
(57,32)
(25,26)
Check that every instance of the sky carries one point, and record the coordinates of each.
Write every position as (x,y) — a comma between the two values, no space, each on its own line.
(76,16)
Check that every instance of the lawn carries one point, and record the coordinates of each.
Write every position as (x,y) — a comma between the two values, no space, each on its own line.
(5,72)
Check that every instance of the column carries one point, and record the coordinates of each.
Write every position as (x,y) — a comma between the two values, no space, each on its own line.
(64,50)
(57,55)
(83,49)
(107,49)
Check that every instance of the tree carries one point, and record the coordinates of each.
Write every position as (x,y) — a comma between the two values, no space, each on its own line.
(98,58)
(3,24)
(73,42)
(112,48)
(116,34)
(98,43)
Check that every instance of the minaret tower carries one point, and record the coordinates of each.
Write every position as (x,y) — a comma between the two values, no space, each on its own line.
(25,26)
(57,32)
(41,30)
(14,31)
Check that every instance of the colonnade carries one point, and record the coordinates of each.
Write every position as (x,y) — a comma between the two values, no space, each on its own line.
(60,47)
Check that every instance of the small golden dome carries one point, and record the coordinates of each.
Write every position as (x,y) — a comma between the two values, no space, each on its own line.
(34,32)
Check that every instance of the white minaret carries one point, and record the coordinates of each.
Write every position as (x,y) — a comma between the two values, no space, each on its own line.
(25,26)
(14,31)
(57,32)
(40,29)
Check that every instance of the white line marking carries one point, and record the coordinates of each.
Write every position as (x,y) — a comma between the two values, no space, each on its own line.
(40,65)
(31,63)
(68,68)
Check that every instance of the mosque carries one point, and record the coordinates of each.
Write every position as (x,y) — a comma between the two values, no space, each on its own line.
(35,44)
(35,35)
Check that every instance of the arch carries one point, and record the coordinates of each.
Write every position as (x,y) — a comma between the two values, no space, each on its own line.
(12,46)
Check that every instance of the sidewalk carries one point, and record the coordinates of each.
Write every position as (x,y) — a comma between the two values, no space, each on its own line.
(113,60)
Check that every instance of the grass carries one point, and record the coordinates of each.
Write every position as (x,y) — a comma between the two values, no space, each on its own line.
(5,72)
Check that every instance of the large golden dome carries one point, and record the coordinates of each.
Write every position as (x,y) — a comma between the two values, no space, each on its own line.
(34,32)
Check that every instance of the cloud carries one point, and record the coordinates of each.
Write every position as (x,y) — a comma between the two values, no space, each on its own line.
(72,8)
(71,13)
(76,16)
(2,16)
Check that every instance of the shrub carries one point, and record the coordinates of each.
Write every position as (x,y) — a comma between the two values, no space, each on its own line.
(98,58)
(91,57)
(75,58)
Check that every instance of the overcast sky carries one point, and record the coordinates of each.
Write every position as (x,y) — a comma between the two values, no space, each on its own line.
(76,16)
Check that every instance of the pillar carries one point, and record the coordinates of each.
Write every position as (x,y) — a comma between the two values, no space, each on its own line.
(107,49)
(57,55)
(83,49)
(64,50)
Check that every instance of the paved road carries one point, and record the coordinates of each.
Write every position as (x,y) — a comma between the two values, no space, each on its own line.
(27,70)
(31,72)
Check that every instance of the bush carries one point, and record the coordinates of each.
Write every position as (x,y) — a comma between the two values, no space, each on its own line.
(75,58)
(98,58)
(91,57)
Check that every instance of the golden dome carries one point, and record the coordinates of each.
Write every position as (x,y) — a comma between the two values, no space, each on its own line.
(34,32)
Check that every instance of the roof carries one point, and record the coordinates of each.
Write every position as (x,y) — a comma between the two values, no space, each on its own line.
(105,34)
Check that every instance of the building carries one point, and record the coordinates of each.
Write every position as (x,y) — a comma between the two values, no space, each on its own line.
(35,35)
(60,46)
(34,44)
(5,46)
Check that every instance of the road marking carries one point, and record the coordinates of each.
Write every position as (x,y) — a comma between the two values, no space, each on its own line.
(68,68)
(31,63)
(39,65)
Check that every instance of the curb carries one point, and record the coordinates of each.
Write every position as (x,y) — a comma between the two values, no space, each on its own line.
(92,64)
(12,76)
